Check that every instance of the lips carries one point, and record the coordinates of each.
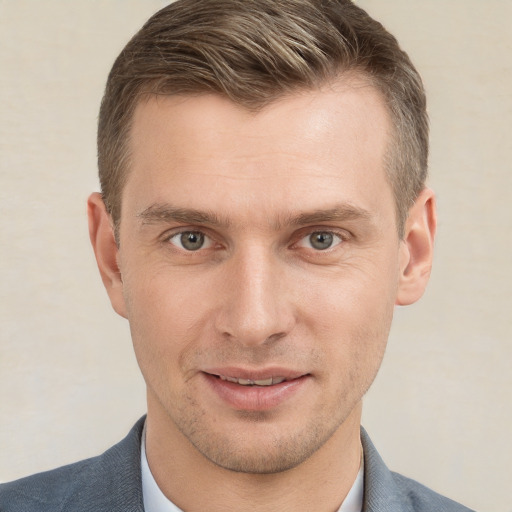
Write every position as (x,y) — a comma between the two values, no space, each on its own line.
(257,390)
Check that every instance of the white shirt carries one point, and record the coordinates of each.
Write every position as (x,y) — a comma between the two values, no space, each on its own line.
(155,500)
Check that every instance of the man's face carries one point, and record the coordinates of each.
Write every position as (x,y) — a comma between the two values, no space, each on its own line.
(259,248)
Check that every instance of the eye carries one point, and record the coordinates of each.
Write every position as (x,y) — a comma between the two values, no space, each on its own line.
(190,240)
(321,240)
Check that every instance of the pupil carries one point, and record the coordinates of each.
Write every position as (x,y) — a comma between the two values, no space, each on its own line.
(192,240)
(321,240)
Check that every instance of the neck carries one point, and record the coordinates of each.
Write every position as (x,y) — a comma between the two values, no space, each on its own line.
(194,483)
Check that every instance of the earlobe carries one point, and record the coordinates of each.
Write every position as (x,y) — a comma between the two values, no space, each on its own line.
(416,251)
(106,251)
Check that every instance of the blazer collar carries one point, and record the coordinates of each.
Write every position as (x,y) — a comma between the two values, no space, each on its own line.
(111,482)
(381,493)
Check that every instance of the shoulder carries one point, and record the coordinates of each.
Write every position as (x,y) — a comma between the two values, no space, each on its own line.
(43,491)
(423,499)
(385,490)
(108,482)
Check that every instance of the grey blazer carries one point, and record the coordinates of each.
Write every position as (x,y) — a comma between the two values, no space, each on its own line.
(112,483)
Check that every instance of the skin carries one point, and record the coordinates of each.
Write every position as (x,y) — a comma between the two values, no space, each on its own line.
(259,298)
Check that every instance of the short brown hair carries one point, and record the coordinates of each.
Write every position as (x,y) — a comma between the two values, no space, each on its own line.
(252,52)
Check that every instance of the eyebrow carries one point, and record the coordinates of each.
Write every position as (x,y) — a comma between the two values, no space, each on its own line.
(341,212)
(166,213)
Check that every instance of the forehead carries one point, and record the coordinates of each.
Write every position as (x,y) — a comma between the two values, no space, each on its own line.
(349,96)
(198,150)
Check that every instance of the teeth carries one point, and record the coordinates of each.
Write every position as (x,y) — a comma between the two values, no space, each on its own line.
(265,382)
(249,382)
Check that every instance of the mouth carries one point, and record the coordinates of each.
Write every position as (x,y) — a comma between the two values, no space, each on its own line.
(270,381)
(256,390)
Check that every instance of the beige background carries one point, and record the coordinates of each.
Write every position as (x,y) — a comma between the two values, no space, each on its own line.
(441,408)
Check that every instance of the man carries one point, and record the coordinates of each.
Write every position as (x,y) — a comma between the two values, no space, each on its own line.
(263,209)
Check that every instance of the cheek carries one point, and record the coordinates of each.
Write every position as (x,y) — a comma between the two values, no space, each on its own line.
(165,318)
(160,298)
(350,297)
(351,310)
(356,337)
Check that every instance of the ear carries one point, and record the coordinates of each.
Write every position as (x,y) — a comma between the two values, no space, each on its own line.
(416,251)
(101,233)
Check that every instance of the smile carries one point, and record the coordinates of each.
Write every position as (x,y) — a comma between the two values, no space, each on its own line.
(255,390)
(249,382)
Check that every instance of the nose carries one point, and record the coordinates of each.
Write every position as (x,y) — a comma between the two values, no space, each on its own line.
(256,305)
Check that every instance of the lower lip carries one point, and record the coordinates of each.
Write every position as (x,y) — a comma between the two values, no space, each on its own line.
(255,398)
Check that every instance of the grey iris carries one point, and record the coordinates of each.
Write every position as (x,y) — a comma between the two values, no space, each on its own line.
(192,240)
(321,240)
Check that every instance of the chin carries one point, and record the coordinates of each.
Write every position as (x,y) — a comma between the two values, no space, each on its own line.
(266,453)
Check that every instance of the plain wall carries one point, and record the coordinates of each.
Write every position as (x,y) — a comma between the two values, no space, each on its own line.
(440,411)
